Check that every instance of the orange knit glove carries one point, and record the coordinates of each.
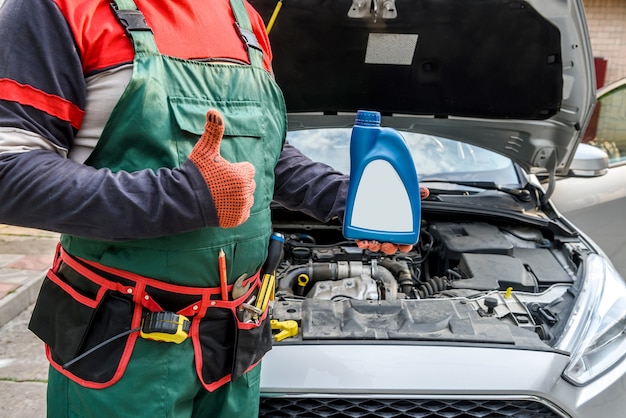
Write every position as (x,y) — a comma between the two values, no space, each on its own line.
(386,247)
(231,184)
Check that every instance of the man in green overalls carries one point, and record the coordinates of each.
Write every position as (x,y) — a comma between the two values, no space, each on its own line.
(151,135)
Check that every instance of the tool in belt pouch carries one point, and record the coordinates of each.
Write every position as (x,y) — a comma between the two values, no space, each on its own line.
(251,313)
(90,317)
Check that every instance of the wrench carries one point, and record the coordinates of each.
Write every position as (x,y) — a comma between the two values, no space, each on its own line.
(238,289)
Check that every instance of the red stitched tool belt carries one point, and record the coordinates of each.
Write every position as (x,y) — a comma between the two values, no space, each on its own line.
(82,304)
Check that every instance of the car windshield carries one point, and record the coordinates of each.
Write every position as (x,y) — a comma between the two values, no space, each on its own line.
(436,158)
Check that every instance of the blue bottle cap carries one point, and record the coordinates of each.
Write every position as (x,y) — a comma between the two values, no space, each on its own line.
(367,118)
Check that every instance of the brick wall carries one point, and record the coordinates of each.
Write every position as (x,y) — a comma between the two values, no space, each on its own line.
(607,28)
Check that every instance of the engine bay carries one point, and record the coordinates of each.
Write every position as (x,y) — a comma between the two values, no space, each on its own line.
(477,281)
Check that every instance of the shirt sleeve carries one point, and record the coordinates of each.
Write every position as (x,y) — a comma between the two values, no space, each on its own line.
(308,186)
(42,100)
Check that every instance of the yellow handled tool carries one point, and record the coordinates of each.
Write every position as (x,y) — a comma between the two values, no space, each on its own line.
(266,291)
(268,282)
(288,329)
(270,24)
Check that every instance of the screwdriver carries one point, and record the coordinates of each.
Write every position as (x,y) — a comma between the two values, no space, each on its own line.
(274,255)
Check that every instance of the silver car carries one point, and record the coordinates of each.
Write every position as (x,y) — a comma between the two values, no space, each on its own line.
(503,308)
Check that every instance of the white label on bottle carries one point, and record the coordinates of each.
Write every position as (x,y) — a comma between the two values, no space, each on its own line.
(382,202)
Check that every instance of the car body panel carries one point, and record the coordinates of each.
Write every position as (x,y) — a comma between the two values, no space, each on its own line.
(437,371)
(416,369)
(498,61)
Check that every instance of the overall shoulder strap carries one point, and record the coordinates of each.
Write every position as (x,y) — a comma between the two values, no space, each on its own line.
(244,28)
(135,26)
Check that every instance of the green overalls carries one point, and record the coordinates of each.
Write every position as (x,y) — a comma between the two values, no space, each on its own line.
(155,124)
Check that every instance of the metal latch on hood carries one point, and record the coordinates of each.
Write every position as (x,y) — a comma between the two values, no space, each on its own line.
(361,9)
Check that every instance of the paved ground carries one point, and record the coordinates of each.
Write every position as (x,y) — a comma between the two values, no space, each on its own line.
(23,370)
(25,255)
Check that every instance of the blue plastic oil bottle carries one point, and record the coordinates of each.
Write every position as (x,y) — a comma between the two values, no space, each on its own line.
(383,202)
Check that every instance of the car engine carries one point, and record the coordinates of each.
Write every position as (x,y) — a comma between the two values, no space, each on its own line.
(472,281)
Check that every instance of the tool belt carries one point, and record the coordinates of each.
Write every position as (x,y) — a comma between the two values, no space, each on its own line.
(82,304)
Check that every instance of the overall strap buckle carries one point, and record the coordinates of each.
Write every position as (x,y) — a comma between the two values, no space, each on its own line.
(131,20)
(248,37)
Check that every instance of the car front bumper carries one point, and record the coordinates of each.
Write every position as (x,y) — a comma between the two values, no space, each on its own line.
(476,378)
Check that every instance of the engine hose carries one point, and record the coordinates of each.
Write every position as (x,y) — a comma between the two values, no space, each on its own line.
(294,239)
(289,280)
(401,271)
(316,272)
(382,275)
(426,247)
(432,286)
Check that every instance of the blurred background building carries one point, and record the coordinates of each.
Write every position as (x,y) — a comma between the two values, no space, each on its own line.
(607,28)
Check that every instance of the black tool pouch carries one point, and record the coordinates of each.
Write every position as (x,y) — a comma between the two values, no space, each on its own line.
(79,308)
(72,315)
(229,348)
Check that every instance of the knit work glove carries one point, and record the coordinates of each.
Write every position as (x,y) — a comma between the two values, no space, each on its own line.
(385,247)
(231,184)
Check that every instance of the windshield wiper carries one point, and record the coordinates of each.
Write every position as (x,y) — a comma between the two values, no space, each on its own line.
(520,193)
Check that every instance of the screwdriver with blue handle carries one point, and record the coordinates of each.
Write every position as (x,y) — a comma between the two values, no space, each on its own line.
(268,282)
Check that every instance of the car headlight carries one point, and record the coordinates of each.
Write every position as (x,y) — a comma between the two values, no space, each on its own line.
(596,332)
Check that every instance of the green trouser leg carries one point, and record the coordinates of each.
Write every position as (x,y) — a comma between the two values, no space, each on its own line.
(160,382)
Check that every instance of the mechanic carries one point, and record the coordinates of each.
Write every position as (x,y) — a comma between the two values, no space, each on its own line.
(151,136)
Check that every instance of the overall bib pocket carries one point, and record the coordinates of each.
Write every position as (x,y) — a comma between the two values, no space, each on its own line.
(244,136)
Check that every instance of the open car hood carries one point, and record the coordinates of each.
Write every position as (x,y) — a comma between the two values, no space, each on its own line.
(512,76)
